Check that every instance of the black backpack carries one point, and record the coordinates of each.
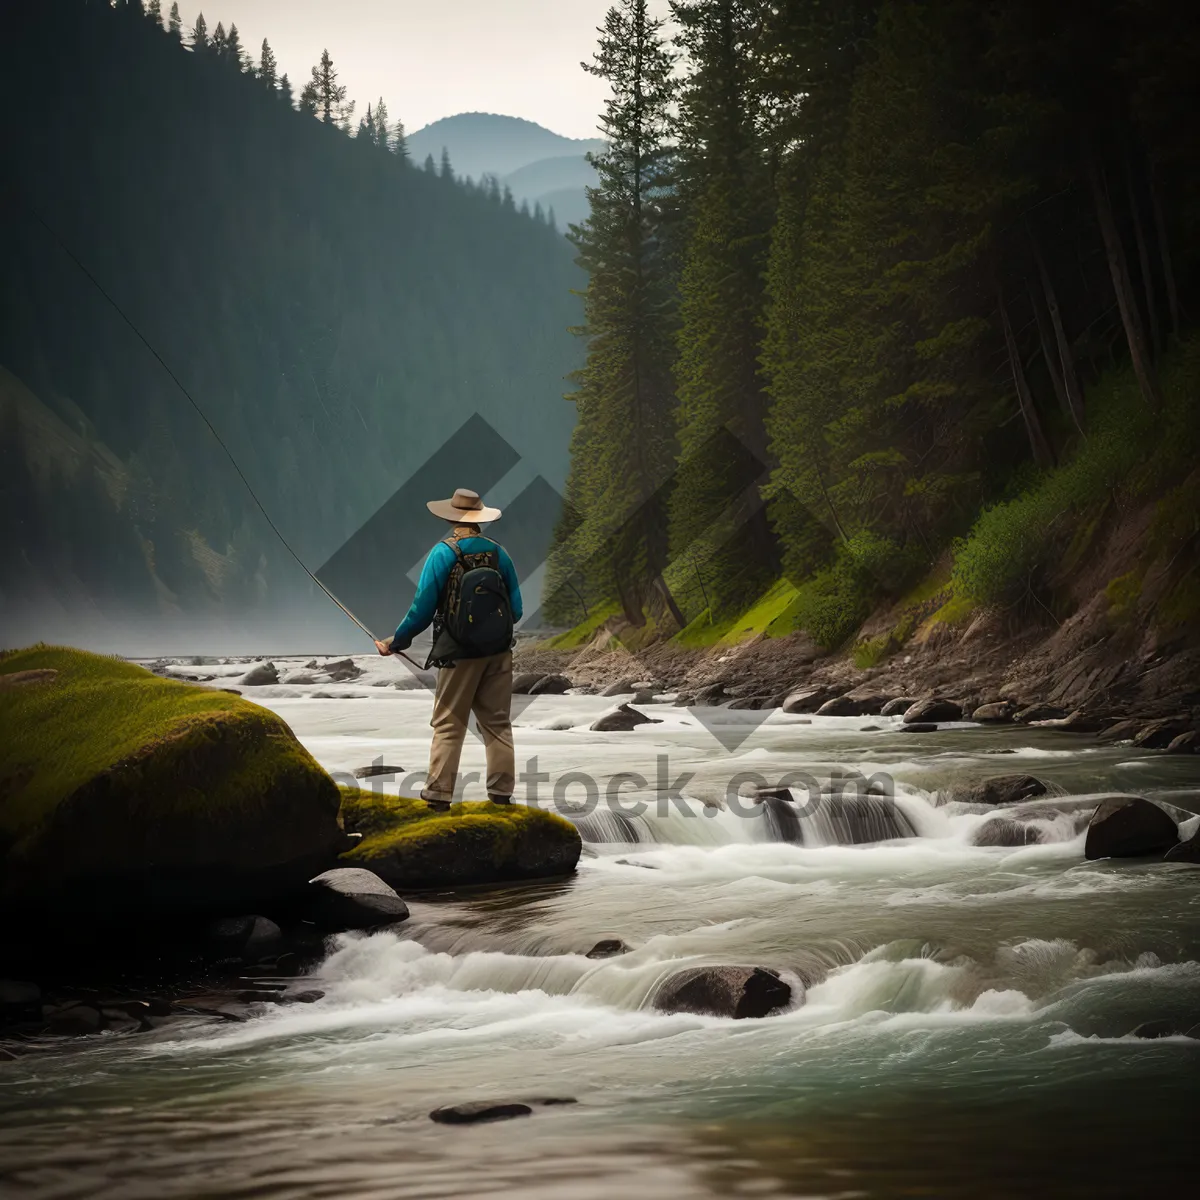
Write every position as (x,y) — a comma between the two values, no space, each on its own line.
(474,616)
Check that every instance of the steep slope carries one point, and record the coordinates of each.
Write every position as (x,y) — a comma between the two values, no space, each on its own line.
(337,314)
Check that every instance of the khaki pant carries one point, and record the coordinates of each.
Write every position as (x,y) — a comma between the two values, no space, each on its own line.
(482,686)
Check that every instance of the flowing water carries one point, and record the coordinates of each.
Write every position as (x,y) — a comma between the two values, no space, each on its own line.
(964,1031)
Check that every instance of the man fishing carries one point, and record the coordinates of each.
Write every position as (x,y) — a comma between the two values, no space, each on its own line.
(468,589)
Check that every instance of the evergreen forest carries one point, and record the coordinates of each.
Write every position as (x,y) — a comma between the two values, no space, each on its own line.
(884,295)
(336,310)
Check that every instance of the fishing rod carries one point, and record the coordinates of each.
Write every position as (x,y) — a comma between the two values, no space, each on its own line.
(62,245)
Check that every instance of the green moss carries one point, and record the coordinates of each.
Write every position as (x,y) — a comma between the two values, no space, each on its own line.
(585,630)
(1181,605)
(411,846)
(109,772)
(873,650)
(957,610)
(1123,594)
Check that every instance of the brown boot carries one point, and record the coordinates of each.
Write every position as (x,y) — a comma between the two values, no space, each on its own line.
(436,803)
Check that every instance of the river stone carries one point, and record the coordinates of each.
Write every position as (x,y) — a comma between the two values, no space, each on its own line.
(1185,852)
(608,948)
(342,670)
(919,727)
(1002,789)
(1038,712)
(1000,831)
(352,898)
(934,709)
(1160,1028)
(808,700)
(1121,731)
(550,685)
(74,1020)
(997,712)
(247,938)
(373,769)
(525,680)
(622,720)
(897,707)
(711,694)
(738,992)
(840,706)
(620,687)
(1186,743)
(1158,735)
(475,1111)
(1129,827)
(260,675)
(753,702)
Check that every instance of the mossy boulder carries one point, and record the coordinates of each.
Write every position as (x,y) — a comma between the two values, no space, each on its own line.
(122,792)
(409,846)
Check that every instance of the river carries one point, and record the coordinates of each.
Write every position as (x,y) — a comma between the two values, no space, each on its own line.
(965,1031)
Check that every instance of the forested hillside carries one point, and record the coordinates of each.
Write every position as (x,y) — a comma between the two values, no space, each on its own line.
(883,292)
(336,310)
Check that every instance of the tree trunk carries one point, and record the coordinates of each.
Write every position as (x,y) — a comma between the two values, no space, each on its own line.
(1042,454)
(1139,236)
(1164,251)
(660,585)
(1066,360)
(1048,353)
(1119,270)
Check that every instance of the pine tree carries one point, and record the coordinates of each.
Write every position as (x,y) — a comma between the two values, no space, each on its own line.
(220,43)
(625,434)
(382,136)
(445,170)
(328,97)
(233,48)
(154,11)
(397,142)
(429,165)
(200,35)
(285,89)
(267,66)
(366,126)
(174,21)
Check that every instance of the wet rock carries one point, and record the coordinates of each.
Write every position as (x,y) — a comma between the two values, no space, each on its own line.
(897,707)
(753,702)
(1158,735)
(1185,852)
(919,727)
(1075,722)
(246,939)
(300,679)
(1156,1029)
(711,695)
(550,685)
(261,675)
(524,681)
(373,769)
(996,712)
(1038,712)
(685,699)
(351,898)
(1121,731)
(871,729)
(1002,789)
(1185,743)
(934,709)
(476,1111)
(311,996)
(808,700)
(620,686)
(621,720)
(342,670)
(1001,831)
(608,948)
(1129,827)
(872,704)
(74,1020)
(738,992)
(629,862)
(840,706)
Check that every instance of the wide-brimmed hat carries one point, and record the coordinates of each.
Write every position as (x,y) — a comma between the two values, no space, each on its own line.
(463,508)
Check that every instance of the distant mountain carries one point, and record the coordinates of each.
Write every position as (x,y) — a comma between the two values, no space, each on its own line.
(490,144)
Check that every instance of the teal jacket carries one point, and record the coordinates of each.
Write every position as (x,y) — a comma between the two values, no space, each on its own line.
(434,574)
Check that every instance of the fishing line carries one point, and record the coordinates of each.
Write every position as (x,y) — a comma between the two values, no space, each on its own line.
(191,400)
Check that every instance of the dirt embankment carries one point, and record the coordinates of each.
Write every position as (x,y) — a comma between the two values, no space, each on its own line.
(1121,651)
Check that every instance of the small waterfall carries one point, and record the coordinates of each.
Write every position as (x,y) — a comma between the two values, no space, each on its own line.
(838,819)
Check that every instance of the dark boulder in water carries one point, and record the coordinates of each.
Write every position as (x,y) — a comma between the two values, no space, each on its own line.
(341,670)
(1129,827)
(1002,789)
(1001,831)
(919,727)
(737,992)
(934,709)
(841,706)
(351,898)
(621,720)
(807,700)
(998,712)
(1156,1029)
(261,675)
(243,939)
(1185,743)
(1185,852)
(550,685)
(475,1111)
(1038,712)
(620,687)
(608,948)
(897,707)
(1158,735)
(525,680)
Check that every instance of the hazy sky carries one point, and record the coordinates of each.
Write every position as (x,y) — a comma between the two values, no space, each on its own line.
(432,58)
